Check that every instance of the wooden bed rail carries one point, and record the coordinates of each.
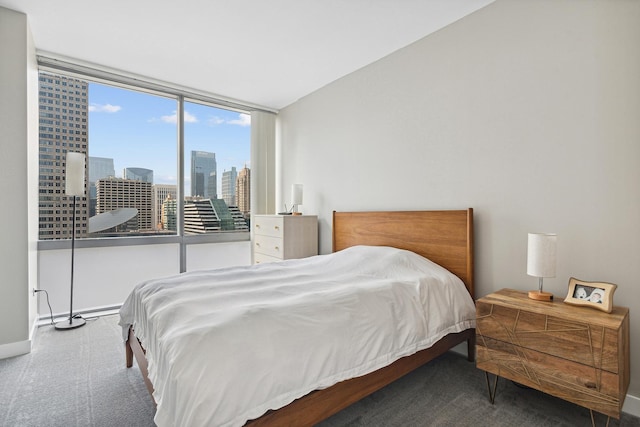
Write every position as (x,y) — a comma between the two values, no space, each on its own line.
(134,348)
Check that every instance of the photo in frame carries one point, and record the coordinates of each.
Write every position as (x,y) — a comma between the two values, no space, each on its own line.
(597,295)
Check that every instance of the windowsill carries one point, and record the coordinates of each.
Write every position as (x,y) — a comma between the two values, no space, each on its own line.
(103,242)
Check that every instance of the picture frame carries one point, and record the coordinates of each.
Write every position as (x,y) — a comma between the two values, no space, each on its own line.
(597,295)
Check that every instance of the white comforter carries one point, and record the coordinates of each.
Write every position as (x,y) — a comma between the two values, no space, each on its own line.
(224,346)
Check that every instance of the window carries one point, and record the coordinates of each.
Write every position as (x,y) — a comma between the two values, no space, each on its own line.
(216,147)
(131,152)
(131,140)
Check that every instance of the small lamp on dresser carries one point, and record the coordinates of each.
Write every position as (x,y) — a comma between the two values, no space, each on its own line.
(541,261)
(296,198)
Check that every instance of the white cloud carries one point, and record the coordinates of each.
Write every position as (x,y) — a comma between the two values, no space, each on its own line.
(242,120)
(106,108)
(188,118)
(170,119)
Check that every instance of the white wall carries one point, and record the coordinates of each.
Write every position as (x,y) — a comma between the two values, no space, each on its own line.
(528,111)
(18,152)
(104,277)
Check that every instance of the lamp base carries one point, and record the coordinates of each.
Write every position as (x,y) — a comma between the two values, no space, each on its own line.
(75,322)
(541,296)
(296,213)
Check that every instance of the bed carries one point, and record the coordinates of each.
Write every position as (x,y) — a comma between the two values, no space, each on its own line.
(444,237)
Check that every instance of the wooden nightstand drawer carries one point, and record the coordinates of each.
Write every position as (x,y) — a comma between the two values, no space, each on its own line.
(578,354)
(581,342)
(571,381)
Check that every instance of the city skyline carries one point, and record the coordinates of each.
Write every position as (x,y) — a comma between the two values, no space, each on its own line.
(138,130)
(126,135)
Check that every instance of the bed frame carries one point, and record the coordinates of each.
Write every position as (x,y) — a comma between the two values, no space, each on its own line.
(445,237)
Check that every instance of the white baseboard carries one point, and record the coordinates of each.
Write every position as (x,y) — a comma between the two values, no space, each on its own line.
(15,349)
(86,313)
(631,405)
(34,329)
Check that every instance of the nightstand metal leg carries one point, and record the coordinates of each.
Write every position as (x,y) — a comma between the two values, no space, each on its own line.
(492,393)
(593,421)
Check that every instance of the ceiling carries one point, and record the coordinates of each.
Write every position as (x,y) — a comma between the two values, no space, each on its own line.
(268,53)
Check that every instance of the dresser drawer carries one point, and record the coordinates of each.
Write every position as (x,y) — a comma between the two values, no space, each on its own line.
(268,245)
(260,258)
(269,226)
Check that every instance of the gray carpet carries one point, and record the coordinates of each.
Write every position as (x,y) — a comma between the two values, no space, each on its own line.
(74,378)
(78,378)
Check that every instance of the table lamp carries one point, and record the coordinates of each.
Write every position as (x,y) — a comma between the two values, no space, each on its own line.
(296,198)
(541,261)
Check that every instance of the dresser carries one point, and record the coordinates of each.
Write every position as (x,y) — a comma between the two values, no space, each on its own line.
(575,353)
(280,237)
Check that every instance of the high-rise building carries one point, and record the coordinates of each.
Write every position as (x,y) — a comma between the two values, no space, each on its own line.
(160,193)
(63,127)
(169,213)
(229,186)
(116,193)
(240,223)
(199,216)
(138,174)
(203,216)
(243,191)
(99,167)
(203,175)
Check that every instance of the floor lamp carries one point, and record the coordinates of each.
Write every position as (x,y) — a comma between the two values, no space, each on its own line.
(74,186)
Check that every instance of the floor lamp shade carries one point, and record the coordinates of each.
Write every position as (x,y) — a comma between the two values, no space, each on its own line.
(74,177)
(541,261)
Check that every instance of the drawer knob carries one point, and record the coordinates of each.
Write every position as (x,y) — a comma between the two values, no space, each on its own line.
(257,244)
(257,225)
(276,227)
(277,248)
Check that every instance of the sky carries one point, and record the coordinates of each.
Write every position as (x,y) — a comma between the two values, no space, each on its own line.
(137,129)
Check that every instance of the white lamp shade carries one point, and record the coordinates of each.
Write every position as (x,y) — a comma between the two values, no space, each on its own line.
(296,194)
(541,255)
(74,177)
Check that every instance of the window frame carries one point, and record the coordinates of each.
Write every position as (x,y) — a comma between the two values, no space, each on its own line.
(133,82)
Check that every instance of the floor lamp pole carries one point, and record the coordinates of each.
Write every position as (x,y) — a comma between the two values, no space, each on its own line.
(78,321)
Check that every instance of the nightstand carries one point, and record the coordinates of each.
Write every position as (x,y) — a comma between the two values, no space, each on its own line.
(575,353)
(281,237)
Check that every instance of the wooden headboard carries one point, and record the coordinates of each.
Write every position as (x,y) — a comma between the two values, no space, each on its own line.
(445,237)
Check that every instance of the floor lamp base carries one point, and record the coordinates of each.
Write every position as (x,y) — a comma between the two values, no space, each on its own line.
(75,322)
